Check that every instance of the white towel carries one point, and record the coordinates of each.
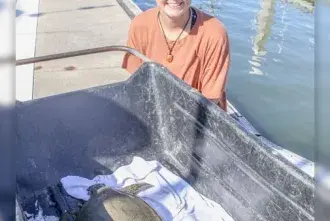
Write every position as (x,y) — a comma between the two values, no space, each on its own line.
(171,197)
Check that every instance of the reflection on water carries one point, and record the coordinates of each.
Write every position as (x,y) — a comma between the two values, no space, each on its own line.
(271,79)
(264,21)
(213,4)
(256,64)
(285,25)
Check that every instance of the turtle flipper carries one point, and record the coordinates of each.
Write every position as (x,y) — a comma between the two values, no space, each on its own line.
(67,216)
(134,189)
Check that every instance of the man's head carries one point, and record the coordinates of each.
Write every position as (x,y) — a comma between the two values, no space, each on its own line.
(174,8)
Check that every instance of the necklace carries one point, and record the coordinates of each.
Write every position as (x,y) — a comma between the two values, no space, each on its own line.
(169,57)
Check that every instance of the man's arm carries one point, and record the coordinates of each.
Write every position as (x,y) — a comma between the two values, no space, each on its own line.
(216,66)
(131,62)
(222,101)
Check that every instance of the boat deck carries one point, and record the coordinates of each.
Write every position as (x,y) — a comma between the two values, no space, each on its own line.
(46,27)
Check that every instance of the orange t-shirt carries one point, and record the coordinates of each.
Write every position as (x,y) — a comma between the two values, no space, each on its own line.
(201,58)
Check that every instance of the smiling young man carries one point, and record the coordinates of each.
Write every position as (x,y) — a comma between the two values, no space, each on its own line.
(193,45)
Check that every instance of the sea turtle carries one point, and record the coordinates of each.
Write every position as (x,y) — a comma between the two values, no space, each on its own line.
(107,204)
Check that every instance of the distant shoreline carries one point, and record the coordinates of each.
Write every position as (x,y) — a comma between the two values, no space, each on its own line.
(311,1)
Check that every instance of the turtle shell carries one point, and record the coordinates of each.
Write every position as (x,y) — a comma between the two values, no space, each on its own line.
(107,204)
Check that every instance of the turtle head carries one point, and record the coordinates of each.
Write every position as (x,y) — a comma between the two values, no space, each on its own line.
(95,189)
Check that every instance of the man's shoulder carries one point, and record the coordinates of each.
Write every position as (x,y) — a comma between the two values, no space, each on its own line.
(212,26)
(144,19)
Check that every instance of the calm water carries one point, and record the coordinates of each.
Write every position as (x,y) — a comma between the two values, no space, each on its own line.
(272,71)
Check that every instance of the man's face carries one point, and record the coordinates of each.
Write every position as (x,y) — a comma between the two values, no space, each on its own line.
(174,8)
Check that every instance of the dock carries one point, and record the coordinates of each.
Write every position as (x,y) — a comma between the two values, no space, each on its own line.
(46,27)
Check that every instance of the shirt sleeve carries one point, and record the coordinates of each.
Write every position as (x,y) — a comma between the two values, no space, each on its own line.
(215,68)
(130,61)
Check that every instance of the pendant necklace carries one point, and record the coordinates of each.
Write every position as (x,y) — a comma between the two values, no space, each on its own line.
(169,57)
